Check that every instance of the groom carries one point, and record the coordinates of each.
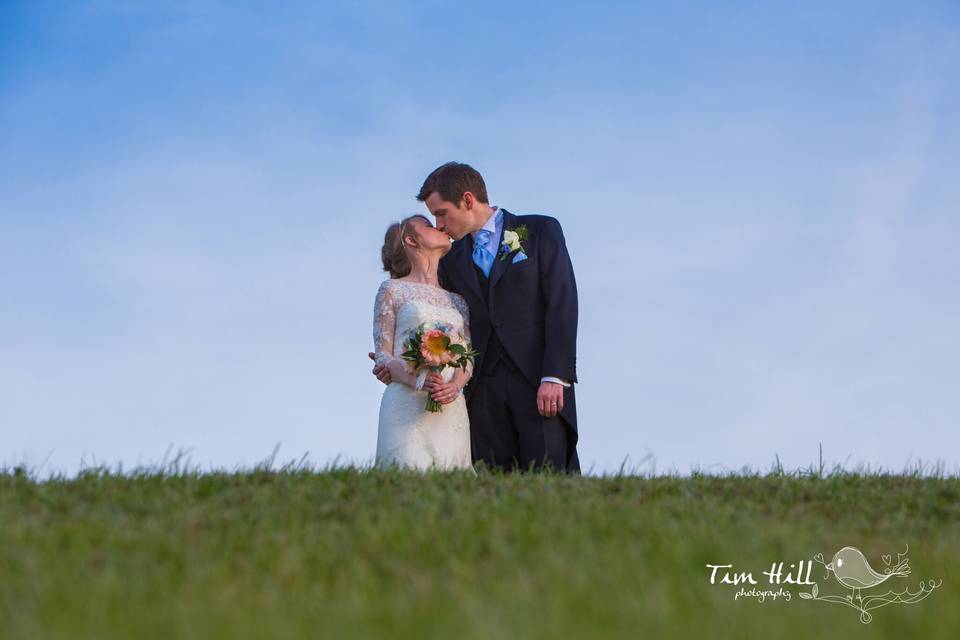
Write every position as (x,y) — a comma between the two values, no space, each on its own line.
(516,275)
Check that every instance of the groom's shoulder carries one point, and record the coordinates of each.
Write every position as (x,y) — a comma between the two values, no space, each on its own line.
(536,219)
(539,221)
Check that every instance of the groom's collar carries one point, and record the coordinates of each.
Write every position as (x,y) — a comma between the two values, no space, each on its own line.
(491,223)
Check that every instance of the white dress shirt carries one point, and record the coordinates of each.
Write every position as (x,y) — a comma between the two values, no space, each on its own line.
(494,225)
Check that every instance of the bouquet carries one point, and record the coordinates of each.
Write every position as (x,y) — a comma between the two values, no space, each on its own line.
(433,347)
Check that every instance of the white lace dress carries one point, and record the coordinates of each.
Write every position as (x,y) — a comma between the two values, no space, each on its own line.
(408,434)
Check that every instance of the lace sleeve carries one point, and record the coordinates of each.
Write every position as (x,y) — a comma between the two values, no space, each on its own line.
(464,309)
(384,324)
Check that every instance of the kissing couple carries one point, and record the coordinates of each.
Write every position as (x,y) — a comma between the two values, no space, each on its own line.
(475,335)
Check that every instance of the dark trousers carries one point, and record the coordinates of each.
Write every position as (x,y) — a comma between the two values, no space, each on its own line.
(506,429)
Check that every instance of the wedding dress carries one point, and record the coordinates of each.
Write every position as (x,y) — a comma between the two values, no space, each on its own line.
(408,434)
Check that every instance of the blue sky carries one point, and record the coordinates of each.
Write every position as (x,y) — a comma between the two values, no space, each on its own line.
(760,200)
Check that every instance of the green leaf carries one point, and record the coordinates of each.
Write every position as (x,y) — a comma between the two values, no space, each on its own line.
(805,595)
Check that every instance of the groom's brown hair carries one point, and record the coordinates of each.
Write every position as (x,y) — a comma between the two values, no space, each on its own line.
(451,181)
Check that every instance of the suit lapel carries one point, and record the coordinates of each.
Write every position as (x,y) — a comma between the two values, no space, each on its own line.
(500,266)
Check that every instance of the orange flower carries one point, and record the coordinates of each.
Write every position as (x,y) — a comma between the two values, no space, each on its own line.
(434,341)
(429,359)
(433,347)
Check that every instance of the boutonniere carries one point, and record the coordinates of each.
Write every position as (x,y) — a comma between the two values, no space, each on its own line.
(513,241)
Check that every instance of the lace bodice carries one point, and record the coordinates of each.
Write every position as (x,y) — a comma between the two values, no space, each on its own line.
(402,306)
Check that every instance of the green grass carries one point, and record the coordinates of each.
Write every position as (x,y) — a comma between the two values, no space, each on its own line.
(347,552)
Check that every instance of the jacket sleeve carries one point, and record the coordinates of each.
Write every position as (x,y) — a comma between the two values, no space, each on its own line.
(559,289)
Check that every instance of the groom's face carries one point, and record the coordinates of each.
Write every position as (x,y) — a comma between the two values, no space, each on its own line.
(454,220)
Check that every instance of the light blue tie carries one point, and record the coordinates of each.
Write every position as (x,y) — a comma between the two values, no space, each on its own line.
(481,255)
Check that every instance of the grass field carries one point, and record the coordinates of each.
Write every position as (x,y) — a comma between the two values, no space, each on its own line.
(347,552)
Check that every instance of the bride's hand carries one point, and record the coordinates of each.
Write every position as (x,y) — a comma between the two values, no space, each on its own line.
(445,392)
(432,380)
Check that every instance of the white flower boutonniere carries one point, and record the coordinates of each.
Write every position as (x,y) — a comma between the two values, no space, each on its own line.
(513,241)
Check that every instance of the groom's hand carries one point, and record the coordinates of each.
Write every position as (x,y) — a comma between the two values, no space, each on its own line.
(550,399)
(381,371)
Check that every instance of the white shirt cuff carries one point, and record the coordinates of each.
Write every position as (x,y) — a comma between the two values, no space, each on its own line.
(552,379)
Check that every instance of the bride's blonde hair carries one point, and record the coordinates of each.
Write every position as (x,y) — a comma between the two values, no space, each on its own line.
(395,260)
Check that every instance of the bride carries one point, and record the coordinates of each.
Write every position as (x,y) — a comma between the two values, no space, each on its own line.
(408,434)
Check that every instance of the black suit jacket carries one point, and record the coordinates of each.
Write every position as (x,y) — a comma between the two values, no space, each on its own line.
(532,303)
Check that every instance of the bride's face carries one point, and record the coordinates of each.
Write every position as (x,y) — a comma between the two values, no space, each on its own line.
(429,238)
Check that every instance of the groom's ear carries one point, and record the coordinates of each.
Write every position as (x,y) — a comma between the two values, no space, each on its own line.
(468,200)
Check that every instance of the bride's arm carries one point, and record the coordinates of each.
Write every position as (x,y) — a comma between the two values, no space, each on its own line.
(401,372)
(462,376)
(447,392)
(384,327)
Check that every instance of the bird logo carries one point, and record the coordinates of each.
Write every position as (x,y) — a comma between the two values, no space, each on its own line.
(853,571)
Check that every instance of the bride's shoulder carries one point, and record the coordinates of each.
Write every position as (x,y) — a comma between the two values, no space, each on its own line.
(386,289)
(391,283)
(395,289)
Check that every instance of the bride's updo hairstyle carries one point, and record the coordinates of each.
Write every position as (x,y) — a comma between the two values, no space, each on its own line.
(395,260)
